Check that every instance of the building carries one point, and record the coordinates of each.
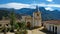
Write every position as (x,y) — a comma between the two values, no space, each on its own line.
(5,22)
(33,21)
(53,26)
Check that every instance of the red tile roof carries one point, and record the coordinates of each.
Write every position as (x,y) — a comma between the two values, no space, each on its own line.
(52,22)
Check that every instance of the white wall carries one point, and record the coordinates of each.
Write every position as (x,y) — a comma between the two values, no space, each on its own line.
(47,26)
(23,18)
(51,28)
(39,23)
(58,29)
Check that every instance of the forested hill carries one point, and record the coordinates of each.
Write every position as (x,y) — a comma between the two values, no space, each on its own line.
(46,14)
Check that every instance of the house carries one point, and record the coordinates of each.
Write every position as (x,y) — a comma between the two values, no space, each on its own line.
(53,26)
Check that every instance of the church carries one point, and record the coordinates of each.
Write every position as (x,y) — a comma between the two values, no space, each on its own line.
(33,21)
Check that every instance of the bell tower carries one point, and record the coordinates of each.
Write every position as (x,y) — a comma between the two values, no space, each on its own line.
(37,17)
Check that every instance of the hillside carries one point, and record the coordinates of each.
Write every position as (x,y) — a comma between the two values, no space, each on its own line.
(46,14)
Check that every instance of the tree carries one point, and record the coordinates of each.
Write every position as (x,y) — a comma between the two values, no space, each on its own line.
(21,28)
(12,20)
(4,13)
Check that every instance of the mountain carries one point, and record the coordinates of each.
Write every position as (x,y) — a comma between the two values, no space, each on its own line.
(26,11)
(46,14)
(3,13)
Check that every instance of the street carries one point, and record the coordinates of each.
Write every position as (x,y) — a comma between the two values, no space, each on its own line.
(36,31)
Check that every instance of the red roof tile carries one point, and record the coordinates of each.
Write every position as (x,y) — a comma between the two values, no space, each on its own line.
(52,22)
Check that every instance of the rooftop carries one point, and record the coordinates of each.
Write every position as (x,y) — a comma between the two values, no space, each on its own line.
(57,22)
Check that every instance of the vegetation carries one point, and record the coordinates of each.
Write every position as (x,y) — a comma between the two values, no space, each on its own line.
(3,13)
(21,28)
(12,20)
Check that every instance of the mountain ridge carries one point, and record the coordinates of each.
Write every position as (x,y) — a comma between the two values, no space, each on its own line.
(46,14)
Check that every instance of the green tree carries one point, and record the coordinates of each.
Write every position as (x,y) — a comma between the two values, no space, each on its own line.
(21,28)
(12,20)
(3,13)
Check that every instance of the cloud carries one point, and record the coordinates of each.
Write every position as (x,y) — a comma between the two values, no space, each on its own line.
(50,5)
(16,5)
(32,6)
(49,0)
(49,8)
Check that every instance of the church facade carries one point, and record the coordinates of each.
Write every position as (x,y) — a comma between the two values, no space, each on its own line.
(33,21)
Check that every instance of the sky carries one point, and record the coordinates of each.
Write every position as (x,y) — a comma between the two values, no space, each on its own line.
(18,4)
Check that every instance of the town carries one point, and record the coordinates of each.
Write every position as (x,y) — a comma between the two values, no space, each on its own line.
(29,17)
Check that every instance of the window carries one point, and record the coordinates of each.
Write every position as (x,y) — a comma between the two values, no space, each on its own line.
(6,24)
(37,14)
(0,24)
(53,29)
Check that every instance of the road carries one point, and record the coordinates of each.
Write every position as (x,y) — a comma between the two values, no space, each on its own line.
(36,31)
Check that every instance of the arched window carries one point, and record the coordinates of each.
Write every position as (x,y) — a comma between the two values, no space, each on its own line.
(37,14)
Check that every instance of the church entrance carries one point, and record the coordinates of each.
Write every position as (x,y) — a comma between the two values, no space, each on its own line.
(28,25)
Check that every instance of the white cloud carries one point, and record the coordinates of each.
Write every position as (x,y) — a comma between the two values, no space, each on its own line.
(49,0)
(16,5)
(49,8)
(20,5)
(50,5)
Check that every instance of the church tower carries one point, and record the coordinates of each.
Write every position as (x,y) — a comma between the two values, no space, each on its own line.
(37,18)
